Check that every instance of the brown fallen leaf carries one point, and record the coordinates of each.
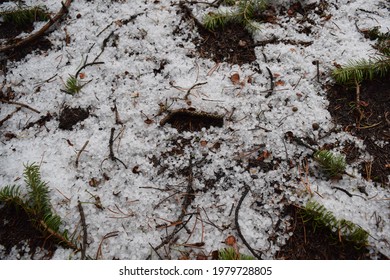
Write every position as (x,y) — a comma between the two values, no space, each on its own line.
(235,78)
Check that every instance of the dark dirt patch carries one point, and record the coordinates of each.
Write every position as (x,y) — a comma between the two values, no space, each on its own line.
(40,122)
(71,116)
(310,243)
(39,46)
(232,43)
(187,120)
(16,230)
(374,125)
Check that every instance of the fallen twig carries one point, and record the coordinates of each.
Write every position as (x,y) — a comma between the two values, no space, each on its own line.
(272,83)
(111,142)
(191,88)
(79,153)
(117,118)
(99,253)
(19,104)
(246,191)
(84,226)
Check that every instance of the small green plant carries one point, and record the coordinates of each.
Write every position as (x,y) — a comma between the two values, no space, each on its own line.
(320,217)
(367,69)
(23,16)
(333,165)
(36,204)
(244,13)
(73,85)
(231,254)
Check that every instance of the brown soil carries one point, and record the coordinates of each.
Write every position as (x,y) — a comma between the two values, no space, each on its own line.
(71,116)
(374,127)
(312,243)
(17,231)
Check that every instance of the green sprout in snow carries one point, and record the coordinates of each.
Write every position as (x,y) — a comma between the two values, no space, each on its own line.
(231,254)
(244,13)
(333,165)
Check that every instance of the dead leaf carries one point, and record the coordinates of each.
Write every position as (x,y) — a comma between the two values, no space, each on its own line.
(280,83)
(276,75)
(230,240)
(235,78)
(203,143)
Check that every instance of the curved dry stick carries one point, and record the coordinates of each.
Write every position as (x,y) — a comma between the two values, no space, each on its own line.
(246,191)
(36,35)
(85,233)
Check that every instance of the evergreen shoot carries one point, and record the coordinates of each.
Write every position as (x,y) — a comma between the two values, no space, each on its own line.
(332,165)
(36,204)
(243,13)
(73,85)
(231,254)
(357,71)
(345,230)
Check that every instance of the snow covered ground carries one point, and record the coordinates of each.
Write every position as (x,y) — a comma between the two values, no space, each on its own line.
(136,201)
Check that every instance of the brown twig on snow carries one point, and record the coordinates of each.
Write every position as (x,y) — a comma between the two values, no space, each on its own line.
(191,88)
(111,142)
(85,233)
(32,37)
(271,76)
(79,153)
(117,118)
(99,253)
(210,222)
(360,117)
(19,104)
(246,191)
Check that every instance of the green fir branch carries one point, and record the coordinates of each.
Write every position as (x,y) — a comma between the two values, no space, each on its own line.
(332,165)
(11,195)
(320,217)
(359,70)
(244,13)
(214,21)
(38,191)
(37,205)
